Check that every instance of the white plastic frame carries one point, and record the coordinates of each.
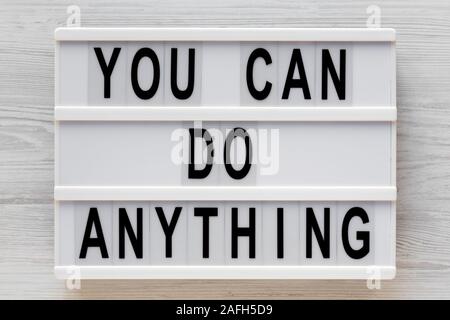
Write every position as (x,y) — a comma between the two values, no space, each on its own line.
(130,113)
(226,34)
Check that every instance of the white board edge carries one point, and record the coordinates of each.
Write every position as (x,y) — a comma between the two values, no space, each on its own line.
(224,193)
(225,113)
(224,272)
(226,34)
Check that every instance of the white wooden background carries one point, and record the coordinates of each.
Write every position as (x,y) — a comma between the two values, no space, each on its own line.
(26,141)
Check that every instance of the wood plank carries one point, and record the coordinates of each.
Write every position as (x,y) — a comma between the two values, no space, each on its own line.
(26,142)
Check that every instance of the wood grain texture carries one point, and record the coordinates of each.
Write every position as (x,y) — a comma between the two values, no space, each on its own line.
(26,141)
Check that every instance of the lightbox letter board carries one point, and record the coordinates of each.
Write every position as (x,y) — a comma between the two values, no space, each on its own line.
(225,153)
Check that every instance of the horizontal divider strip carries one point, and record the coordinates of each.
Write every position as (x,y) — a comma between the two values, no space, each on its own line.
(225,34)
(224,113)
(224,193)
(224,272)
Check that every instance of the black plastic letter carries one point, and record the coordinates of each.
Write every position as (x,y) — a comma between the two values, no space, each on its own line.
(135,239)
(168,228)
(296,61)
(237,232)
(186,93)
(194,173)
(280,233)
(93,221)
(205,213)
(238,174)
(322,240)
(150,92)
(339,82)
(364,236)
(107,69)
(264,93)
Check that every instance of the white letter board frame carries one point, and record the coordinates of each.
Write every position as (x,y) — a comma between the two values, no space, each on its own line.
(384,113)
